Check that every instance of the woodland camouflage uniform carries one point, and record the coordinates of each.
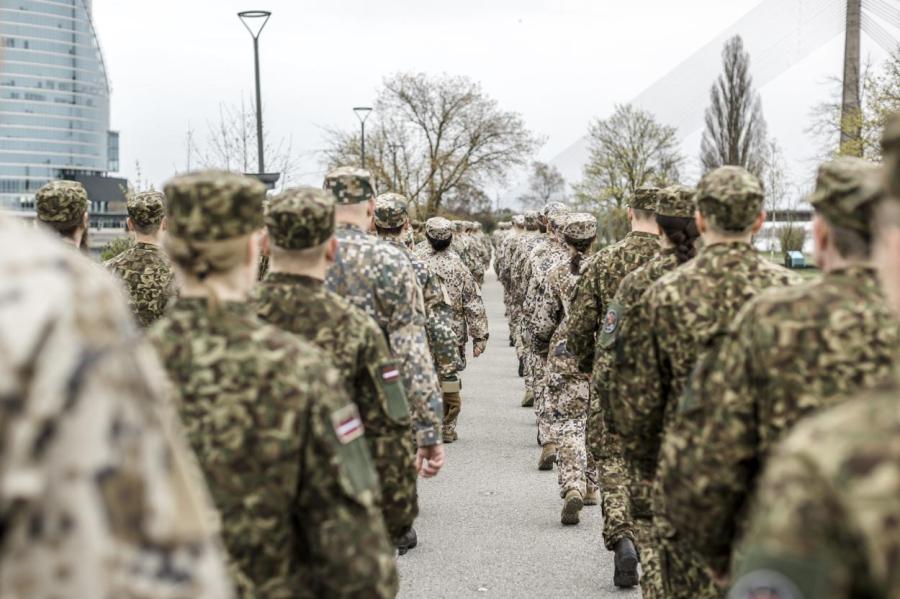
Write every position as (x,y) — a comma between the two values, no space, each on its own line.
(100,496)
(377,277)
(675,201)
(675,321)
(600,279)
(788,353)
(144,267)
(303,218)
(280,442)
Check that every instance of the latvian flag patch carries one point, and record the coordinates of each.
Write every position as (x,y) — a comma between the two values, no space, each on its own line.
(347,424)
(390,374)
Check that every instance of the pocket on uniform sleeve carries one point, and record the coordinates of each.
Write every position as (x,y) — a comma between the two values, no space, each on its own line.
(390,386)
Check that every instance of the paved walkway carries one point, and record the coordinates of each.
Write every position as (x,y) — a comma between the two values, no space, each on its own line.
(489,523)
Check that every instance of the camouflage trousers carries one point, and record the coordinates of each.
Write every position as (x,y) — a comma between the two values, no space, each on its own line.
(683,574)
(645,539)
(614,478)
(397,473)
(452,408)
(537,366)
(566,407)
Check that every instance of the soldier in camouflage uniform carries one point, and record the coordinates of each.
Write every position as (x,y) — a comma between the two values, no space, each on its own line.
(501,265)
(788,353)
(824,523)
(600,280)
(63,207)
(678,318)
(300,229)
(519,286)
(484,243)
(100,496)
(469,316)
(467,248)
(675,209)
(281,444)
(567,389)
(144,267)
(377,277)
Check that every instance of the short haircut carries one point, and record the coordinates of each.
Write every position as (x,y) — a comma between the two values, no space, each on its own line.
(147,230)
(641,214)
(851,243)
(305,257)
(389,230)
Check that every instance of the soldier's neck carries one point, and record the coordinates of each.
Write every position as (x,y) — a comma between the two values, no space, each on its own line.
(649,226)
(232,286)
(712,238)
(146,239)
(316,271)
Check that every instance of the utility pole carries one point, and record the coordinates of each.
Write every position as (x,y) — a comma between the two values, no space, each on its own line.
(850,104)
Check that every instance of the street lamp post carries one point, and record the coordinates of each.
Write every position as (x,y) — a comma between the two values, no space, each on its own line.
(255,21)
(362,113)
(394,148)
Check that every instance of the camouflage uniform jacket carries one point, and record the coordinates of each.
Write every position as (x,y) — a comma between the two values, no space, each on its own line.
(438,315)
(825,518)
(469,316)
(550,321)
(543,259)
(98,487)
(678,318)
(790,352)
(149,279)
(508,249)
(519,267)
(468,250)
(378,278)
(599,282)
(357,349)
(623,307)
(283,451)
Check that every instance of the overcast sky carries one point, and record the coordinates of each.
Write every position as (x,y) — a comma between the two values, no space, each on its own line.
(557,62)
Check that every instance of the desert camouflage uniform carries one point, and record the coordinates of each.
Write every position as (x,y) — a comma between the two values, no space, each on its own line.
(467,248)
(303,218)
(518,259)
(378,278)
(678,318)
(280,442)
(825,518)
(100,496)
(469,316)
(568,389)
(144,267)
(601,275)
(789,352)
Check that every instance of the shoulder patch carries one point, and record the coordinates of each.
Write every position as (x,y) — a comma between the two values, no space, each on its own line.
(611,321)
(348,425)
(390,373)
(609,330)
(765,584)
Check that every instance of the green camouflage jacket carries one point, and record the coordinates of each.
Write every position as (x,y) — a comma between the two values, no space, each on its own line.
(149,279)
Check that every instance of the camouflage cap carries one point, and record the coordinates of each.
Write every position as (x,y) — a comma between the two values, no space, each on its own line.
(730,198)
(504,224)
(391,210)
(214,205)
(477,225)
(439,228)
(845,187)
(62,203)
(553,207)
(890,145)
(146,209)
(676,200)
(458,225)
(558,218)
(531,218)
(644,198)
(580,226)
(300,218)
(518,220)
(350,185)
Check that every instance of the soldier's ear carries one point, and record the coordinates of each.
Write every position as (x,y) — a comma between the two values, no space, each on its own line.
(164,224)
(759,222)
(264,245)
(702,227)
(331,249)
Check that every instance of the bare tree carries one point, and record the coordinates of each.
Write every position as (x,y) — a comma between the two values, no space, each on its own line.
(230,145)
(628,150)
(467,201)
(430,135)
(735,131)
(546,183)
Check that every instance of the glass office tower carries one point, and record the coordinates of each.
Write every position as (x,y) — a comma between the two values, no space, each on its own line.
(54,98)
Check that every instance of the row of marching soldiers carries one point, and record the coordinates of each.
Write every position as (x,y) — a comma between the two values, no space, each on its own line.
(172,427)
(739,424)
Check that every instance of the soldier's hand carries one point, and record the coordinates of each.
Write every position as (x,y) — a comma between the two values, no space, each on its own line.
(429,460)
(478,347)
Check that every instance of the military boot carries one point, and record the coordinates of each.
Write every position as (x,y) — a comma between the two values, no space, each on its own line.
(528,400)
(572,504)
(592,497)
(521,367)
(548,457)
(626,561)
(408,541)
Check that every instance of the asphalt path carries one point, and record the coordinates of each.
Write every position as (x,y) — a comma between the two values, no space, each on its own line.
(489,523)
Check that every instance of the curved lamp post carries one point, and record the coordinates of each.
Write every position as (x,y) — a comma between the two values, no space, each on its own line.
(255,21)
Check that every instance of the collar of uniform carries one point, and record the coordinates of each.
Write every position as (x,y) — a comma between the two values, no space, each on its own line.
(289,278)
(201,304)
(147,246)
(643,235)
(726,247)
(860,274)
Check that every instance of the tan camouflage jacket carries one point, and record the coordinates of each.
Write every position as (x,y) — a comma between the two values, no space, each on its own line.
(377,277)
(550,321)
(544,258)
(149,278)
(600,279)
(357,349)
(679,317)
(98,489)
(284,453)
(825,519)
(790,352)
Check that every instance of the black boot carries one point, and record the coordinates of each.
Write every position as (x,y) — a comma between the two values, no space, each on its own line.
(521,367)
(626,560)
(408,541)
